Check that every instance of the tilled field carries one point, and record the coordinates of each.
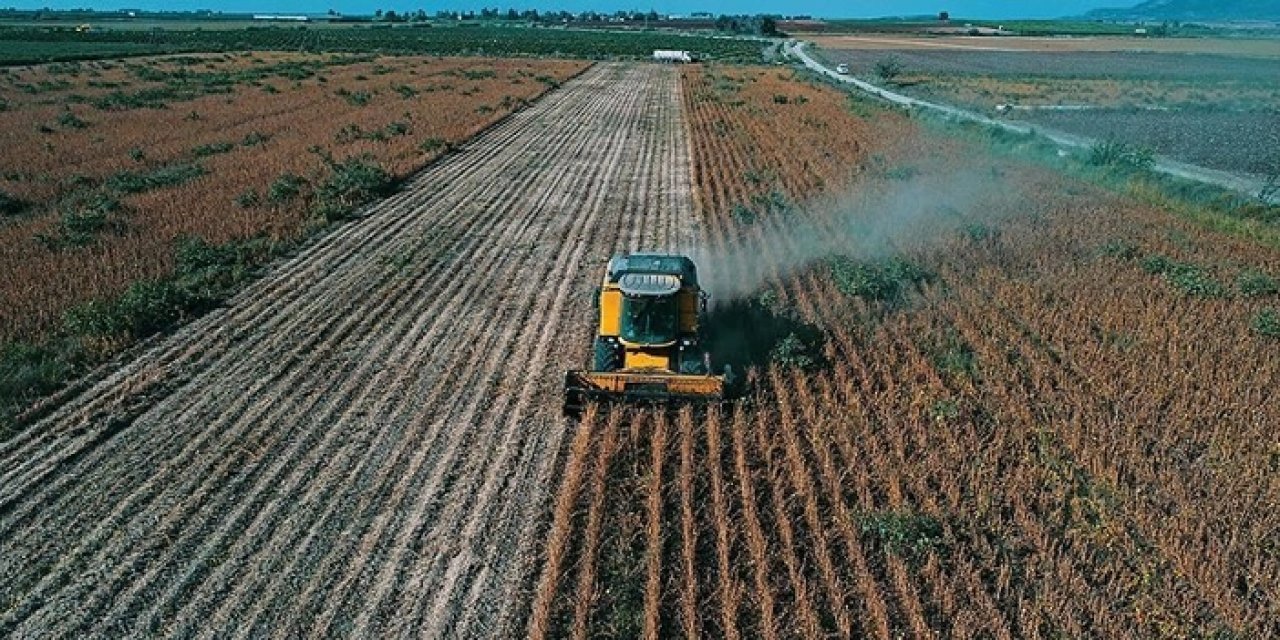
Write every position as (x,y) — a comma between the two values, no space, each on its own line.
(1218,111)
(1111,64)
(364,441)
(1241,141)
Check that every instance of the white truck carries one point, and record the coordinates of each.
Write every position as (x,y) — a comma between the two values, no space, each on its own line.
(669,55)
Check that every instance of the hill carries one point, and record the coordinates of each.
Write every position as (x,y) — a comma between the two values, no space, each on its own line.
(1206,10)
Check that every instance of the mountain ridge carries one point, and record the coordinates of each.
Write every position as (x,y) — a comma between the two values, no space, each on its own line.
(1204,10)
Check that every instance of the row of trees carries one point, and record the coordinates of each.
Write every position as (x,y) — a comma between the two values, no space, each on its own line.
(753,24)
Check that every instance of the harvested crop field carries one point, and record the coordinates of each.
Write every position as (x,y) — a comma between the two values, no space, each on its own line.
(365,440)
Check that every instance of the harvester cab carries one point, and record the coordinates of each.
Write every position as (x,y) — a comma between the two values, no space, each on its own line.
(648,343)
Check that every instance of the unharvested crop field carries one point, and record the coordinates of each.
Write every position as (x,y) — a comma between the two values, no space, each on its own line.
(1015,420)
(113,162)
(987,400)
(1215,109)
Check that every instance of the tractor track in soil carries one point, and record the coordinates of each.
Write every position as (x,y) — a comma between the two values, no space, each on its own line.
(366,440)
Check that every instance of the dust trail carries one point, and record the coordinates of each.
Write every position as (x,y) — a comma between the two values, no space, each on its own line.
(875,219)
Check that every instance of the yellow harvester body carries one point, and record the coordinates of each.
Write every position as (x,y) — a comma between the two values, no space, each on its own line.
(648,343)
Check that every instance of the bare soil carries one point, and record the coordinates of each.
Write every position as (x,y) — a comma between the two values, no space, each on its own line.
(365,442)
(1246,142)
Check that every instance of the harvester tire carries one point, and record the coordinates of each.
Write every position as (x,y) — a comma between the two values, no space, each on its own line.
(607,356)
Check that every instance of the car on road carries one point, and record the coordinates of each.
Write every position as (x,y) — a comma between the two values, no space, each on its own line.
(842,69)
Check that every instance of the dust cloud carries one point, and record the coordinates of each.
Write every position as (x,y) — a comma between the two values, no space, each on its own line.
(877,219)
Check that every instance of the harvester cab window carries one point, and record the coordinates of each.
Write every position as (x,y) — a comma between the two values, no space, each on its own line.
(649,320)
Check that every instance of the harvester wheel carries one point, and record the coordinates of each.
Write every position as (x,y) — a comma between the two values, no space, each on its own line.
(607,356)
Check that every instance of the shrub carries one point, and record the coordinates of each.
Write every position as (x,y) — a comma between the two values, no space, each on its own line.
(791,351)
(902,533)
(254,138)
(432,145)
(1253,284)
(1189,278)
(82,218)
(352,183)
(348,133)
(248,199)
(888,68)
(405,91)
(206,150)
(355,98)
(29,371)
(168,176)
(397,129)
(1121,155)
(883,280)
(137,154)
(1122,249)
(10,206)
(285,188)
(902,172)
(979,232)
(150,98)
(780,99)
(1267,323)
(204,274)
(953,356)
(69,120)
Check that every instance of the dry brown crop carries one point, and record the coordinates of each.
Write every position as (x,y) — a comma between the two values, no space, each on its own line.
(216,147)
(1060,425)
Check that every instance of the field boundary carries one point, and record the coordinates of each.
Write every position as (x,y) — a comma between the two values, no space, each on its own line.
(1187,171)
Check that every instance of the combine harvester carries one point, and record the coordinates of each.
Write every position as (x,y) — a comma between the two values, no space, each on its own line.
(648,344)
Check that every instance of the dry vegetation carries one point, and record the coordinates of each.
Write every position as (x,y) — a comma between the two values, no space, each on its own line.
(1045,412)
(110,163)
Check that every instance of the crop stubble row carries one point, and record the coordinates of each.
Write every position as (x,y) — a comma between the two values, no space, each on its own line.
(353,445)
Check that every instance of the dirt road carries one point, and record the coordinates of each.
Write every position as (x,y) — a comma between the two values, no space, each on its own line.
(364,442)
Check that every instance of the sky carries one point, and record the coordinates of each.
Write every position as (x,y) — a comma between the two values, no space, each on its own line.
(817,8)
